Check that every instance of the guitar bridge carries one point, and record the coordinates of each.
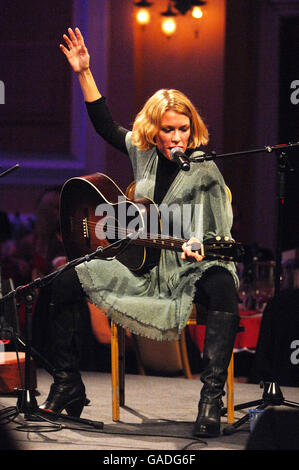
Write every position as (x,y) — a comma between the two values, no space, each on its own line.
(85,227)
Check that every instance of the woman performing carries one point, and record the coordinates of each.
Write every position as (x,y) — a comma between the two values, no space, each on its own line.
(156,302)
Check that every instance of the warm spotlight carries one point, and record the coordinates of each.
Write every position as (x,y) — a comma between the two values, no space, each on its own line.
(143,16)
(169,26)
(197,13)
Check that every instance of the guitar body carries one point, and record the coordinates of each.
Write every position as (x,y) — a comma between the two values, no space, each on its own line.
(95,213)
(92,210)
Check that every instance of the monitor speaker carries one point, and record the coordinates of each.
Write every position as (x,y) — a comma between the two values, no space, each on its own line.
(276,429)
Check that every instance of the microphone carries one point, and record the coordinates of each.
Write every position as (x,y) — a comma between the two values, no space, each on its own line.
(178,156)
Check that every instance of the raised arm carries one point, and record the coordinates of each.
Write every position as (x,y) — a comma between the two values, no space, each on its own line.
(79,59)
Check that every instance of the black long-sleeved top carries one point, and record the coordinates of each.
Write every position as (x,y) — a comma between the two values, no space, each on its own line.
(115,135)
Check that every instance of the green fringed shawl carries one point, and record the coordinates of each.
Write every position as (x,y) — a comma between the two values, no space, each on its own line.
(158,303)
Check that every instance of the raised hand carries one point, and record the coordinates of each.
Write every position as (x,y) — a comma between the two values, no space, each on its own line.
(76,53)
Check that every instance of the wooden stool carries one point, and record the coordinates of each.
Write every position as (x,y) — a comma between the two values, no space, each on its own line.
(118,372)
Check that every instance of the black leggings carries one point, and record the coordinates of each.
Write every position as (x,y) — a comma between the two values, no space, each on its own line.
(66,288)
(216,290)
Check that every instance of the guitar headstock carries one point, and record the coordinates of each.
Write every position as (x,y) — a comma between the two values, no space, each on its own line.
(223,248)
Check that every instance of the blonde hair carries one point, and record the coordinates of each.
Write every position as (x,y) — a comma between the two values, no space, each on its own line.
(148,121)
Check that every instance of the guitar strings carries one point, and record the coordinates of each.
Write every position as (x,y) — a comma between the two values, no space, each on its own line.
(124,231)
(121,231)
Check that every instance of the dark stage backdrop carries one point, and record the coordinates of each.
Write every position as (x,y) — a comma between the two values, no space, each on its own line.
(36,115)
(289,125)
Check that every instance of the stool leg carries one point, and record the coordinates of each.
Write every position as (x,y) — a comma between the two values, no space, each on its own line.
(115,372)
(184,355)
(121,364)
(230,391)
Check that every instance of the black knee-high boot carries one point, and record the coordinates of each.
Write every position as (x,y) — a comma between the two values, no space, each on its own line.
(220,335)
(67,392)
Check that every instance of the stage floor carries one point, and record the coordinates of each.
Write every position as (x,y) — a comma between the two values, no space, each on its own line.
(158,415)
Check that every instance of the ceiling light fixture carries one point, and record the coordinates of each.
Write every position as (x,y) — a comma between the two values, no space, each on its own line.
(174,8)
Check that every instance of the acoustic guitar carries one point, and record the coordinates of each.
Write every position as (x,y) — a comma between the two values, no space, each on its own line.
(94,213)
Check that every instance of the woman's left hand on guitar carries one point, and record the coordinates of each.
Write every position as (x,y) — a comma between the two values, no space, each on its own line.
(188,254)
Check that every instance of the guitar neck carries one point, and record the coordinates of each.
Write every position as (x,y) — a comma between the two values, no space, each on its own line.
(217,248)
(167,243)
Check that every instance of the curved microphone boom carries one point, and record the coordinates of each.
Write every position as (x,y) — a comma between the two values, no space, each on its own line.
(178,156)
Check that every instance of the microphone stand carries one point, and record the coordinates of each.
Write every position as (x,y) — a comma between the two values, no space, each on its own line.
(9,170)
(272,394)
(267,148)
(26,402)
